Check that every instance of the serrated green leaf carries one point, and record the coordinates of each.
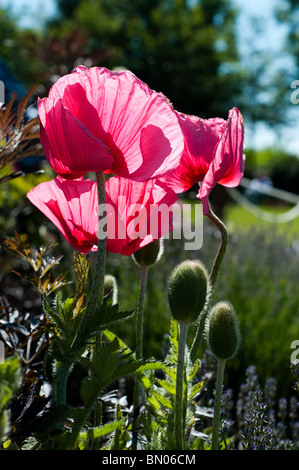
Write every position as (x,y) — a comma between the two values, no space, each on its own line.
(67,309)
(173,338)
(146,382)
(121,435)
(52,312)
(169,387)
(53,420)
(195,389)
(106,316)
(111,336)
(171,373)
(154,403)
(101,431)
(110,315)
(162,399)
(193,370)
(151,365)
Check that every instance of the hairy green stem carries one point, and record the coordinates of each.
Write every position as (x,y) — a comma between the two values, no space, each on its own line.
(222,247)
(61,382)
(179,392)
(94,301)
(212,279)
(139,349)
(217,403)
(140,312)
(97,289)
(198,335)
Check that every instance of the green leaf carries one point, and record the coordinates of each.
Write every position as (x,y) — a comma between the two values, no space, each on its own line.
(112,336)
(193,370)
(174,340)
(156,405)
(109,314)
(51,311)
(101,431)
(52,422)
(9,376)
(88,329)
(195,390)
(66,310)
(121,435)
(151,365)
(169,387)
(162,399)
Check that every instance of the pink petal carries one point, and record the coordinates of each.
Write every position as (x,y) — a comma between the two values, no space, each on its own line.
(144,212)
(228,165)
(69,147)
(137,124)
(201,139)
(72,207)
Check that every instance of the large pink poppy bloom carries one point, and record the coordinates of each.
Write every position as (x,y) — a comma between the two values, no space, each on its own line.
(96,120)
(213,154)
(135,213)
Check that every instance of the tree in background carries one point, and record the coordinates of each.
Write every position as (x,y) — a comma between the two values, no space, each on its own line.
(287,12)
(16,52)
(186,49)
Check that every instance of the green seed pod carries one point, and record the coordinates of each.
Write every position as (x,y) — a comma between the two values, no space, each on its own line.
(222,331)
(149,254)
(110,288)
(187,290)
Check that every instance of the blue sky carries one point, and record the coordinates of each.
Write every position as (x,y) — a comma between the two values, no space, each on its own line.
(257,30)
(30,13)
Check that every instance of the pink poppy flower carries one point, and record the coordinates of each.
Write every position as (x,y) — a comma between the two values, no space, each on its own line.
(213,154)
(97,120)
(136,213)
(72,206)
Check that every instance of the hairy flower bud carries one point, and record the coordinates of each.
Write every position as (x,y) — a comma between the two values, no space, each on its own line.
(222,331)
(149,254)
(110,288)
(187,290)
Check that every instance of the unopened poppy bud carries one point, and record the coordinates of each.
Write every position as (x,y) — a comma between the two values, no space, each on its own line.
(149,254)
(110,288)
(187,290)
(222,331)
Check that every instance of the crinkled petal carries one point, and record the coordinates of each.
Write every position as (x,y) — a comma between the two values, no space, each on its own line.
(135,213)
(138,125)
(69,147)
(201,139)
(72,207)
(144,212)
(227,167)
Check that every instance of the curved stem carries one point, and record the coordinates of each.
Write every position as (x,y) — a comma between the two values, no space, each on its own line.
(212,279)
(139,350)
(222,247)
(179,393)
(217,403)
